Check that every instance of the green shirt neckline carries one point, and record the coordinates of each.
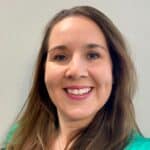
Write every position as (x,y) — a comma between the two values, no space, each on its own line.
(138,142)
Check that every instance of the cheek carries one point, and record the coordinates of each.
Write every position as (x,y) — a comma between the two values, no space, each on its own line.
(102,75)
(53,74)
(103,80)
(103,83)
(53,79)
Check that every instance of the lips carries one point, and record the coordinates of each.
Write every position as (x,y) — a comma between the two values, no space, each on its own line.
(81,91)
(78,92)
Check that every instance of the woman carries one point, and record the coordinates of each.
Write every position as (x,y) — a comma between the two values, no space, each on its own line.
(84,82)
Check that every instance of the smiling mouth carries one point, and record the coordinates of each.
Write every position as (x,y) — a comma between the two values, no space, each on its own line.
(78,91)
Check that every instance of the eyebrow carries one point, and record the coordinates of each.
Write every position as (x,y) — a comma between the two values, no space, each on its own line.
(94,45)
(87,46)
(59,47)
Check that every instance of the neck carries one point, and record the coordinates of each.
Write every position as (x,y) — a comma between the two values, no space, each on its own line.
(68,127)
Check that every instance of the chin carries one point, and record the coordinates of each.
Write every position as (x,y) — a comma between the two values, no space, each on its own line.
(81,115)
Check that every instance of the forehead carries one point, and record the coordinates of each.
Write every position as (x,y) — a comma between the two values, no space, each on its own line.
(78,29)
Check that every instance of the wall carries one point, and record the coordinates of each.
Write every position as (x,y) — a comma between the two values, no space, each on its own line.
(21,29)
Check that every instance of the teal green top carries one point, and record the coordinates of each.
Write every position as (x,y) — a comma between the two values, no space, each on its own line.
(138,142)
(10,134)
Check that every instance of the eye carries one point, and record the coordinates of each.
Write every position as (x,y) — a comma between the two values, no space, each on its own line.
(59,57)
(93,55)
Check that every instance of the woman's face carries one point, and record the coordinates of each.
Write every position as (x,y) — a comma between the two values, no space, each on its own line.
(78,70)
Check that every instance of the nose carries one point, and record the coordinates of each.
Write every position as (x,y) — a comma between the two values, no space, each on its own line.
(76,68)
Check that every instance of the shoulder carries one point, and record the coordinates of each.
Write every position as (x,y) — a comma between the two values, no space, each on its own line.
(138,142)
(10,133)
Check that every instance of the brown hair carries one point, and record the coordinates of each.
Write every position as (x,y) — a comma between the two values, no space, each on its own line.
(112,126)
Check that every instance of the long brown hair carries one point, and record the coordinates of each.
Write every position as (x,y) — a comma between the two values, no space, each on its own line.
(112,126)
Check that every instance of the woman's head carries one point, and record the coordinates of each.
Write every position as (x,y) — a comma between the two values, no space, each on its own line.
(104,61)
(78,69)
(122,69)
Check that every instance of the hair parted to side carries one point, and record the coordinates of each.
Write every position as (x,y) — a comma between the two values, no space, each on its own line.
(112,126)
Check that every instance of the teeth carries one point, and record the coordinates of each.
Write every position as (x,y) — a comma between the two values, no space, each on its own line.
(78,91)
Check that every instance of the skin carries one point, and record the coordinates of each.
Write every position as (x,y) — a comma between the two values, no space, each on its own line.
(77,55)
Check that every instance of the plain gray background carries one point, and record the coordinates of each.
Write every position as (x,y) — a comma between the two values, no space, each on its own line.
(22,23)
